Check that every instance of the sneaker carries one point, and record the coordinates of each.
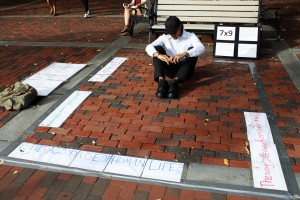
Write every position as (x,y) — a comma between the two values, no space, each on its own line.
(87,14)
(174,89)
(162,89)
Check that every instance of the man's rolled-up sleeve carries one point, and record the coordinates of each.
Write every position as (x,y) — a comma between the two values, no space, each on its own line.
(198,47)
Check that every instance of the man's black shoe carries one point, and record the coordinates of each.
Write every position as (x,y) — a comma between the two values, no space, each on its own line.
(162,89)
(174,89)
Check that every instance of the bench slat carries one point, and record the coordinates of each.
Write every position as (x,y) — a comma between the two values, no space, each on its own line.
(188,27)
(207,8)
(211,2)
(206,13)
(213,20)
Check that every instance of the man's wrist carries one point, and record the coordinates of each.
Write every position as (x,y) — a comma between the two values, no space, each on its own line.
(156,54)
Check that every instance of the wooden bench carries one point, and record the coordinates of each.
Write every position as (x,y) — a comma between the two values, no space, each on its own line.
(201,16)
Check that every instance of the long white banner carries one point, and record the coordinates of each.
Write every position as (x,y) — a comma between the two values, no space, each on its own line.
(65,109)
(100,162)
(266,167)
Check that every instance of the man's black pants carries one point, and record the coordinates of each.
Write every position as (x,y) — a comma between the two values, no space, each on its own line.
(183,69)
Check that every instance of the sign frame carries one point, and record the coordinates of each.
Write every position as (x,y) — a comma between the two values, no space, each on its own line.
(234,41)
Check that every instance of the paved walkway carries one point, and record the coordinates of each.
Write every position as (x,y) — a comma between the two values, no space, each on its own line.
(202,129)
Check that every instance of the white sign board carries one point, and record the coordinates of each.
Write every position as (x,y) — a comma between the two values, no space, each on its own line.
(247,50)
(163,170)
(43,153)
(266,167)
(126,165)
(46,80)
(63,111)
(226,33)
(108,69)
(248,34)
(91,161)
(224,49)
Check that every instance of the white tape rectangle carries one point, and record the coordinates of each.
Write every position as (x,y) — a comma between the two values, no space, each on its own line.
(64,110)
(49,78)
(163,170)
(43,153)
(266,167)
(126,165)
(108,69)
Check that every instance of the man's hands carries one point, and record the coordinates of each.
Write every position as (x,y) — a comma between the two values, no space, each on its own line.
(172,59)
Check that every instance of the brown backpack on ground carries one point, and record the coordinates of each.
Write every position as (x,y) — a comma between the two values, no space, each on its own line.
(17,97)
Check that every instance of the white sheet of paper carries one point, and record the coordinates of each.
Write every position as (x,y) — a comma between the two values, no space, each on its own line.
(44,88)
(226,33)
(43,153)
(63,111)
(163,170)
(224,49)
(266,167)
(108,69)
(99,78)
(49,78)
(126,165)
(91,161)
(247,50)
(248,34)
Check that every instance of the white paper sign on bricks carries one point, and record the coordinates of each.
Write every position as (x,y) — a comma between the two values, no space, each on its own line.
(100,162)
(266,167)
(44,153)
(49,78)
(108,69)
(65,109)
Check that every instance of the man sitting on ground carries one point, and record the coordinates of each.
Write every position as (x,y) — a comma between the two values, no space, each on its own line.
(175,55)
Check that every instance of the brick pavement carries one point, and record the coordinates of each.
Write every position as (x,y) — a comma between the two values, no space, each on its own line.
(205,126)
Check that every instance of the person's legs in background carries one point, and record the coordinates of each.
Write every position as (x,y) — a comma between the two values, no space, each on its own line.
(86,8)
(52,4)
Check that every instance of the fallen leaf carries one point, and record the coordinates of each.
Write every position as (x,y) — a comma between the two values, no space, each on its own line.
(226,162)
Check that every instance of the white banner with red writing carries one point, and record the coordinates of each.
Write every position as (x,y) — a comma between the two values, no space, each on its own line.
(266,167)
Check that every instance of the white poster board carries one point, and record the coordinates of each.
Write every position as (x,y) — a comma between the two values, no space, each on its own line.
(247,50)
(224,49)
(266,167)
(65,109)
(49,78)
(248,34)
(226,33)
